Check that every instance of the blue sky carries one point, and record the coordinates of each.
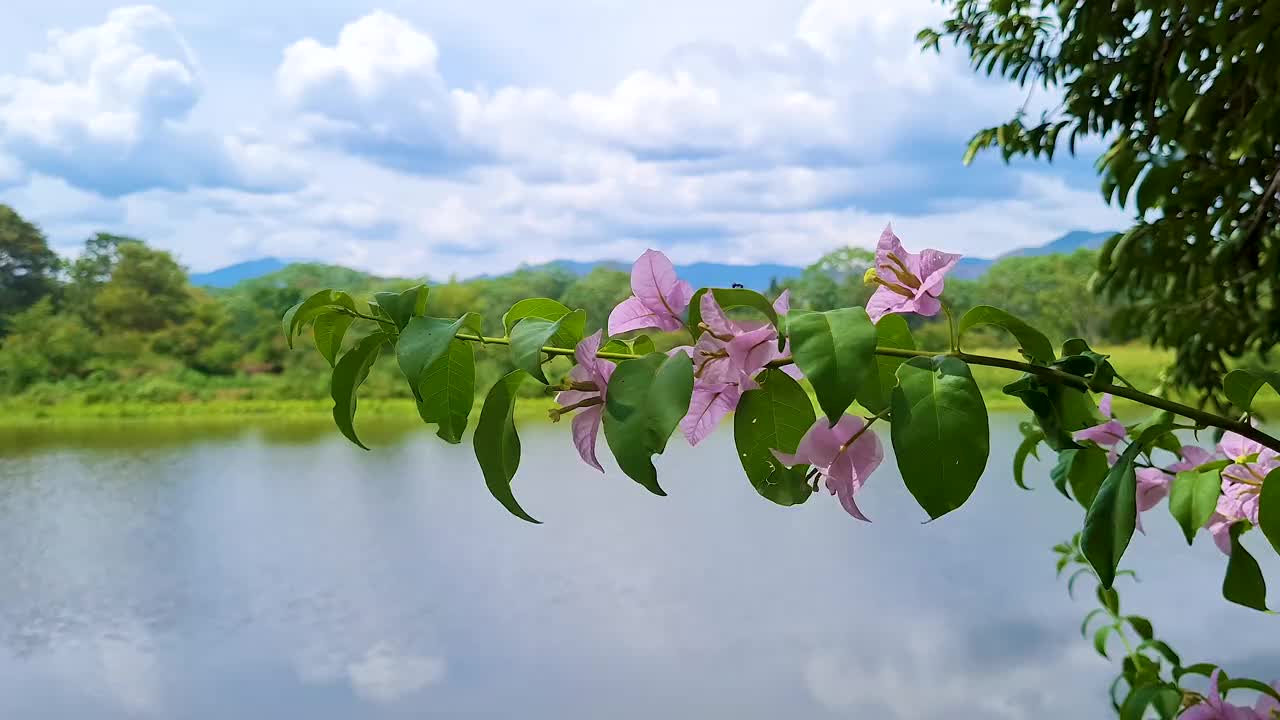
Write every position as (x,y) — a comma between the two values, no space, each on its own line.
(466,138)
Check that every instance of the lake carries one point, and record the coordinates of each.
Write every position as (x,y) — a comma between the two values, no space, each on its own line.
(184,571)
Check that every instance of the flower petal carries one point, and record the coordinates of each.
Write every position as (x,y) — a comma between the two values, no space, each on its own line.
(751,351)
(1106,435)
(714,316)
(782,305)
(708,406)
(1153,486)
(586,426)
(1104,406)
(884,302)
(654,281)
(1236,446)
(934,265)
(632,314)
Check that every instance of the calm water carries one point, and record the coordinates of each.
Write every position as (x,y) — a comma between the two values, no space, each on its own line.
(280,572)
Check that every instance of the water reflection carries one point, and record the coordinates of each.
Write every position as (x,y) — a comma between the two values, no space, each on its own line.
(285,574)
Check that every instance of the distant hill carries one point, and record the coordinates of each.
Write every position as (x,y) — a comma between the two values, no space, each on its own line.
(702,274)
(970,268)
(234,274)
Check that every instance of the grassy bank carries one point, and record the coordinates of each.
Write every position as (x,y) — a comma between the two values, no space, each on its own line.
(1140,365)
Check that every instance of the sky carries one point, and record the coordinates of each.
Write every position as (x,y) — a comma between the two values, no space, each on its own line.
(445,138)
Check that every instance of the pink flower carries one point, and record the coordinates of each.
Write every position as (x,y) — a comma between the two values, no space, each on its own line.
(726,360)
(659,297)
(908,283)
(589,403)
(1216,708)
(1193,456)
(1104,406)
(1153,486)
(845,462)
(1219,527)
(1242,480)
(1107,435)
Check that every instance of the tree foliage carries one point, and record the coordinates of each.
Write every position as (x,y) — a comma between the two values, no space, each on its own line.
(27,265)
(1185,95)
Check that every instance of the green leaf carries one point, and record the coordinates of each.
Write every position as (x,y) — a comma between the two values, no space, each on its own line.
(891,332)
(728,298)
(531,334)
(1109,599)
(1141,626)
(643,345)
(448,391)
(1202,669)
(1035,346)
(1243,583)
(1269,508)
(1108,526)
(1163,648)
(571,330)
(836,351)
(774,416)
(296,317)
(1059,410)
(1193,499)
(497,444)
(1071,582)
(1088,618)
(403,306)
(1165,698)
(1083,470)
(1248,684)
(940,432)
(328,330)
(1240,386)
(647,398)
(348,375)
(425,340)
(1100,640)
(1026,448)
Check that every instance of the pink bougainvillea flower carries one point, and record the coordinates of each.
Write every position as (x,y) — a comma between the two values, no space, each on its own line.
(1193,456)
(906,282)
(1242,480)
(1215,707)
(658,297)
(1107,435)
(1104,406)
(726,359)
(844,465)
(1219,527)
(1153,486)
(589,404)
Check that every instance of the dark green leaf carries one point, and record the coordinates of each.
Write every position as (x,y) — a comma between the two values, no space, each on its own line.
(1141,626)
(1026,448)
(1108,526)
(1163,648)
(497,444)
(401,307)
(1193,499)
(728,298)
(532,334)
(1035,346)
(1202,669)
(1100,639)
(836,351)
(329,330)
(1085,470)
(1243,583)
(647,398)
(1269,508)
(348,375)
(1071,582)
(891,332)
(1084,624)
(774,416)
(940,432)
(1059,410)
(1109,599)
(1240,386)
(297,317)
(1248,684)
(448,391)
(425,340)
(571,329)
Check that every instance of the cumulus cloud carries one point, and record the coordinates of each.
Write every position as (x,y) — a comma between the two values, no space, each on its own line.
(105,107)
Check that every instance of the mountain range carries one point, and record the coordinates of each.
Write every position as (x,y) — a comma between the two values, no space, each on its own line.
(702,274)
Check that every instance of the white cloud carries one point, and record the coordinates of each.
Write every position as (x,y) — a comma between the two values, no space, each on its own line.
(105,107)
(385,675)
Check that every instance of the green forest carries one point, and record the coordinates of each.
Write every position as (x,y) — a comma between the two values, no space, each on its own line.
(120,330)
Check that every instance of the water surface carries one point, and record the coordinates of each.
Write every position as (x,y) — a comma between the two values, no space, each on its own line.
(210,572)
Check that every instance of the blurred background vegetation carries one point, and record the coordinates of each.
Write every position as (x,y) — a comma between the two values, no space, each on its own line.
(122,330)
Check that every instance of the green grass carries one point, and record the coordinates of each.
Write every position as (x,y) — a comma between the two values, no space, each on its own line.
(1139,364)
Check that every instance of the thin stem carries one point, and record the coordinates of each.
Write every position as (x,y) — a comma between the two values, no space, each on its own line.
(1047,374)
(951,325)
